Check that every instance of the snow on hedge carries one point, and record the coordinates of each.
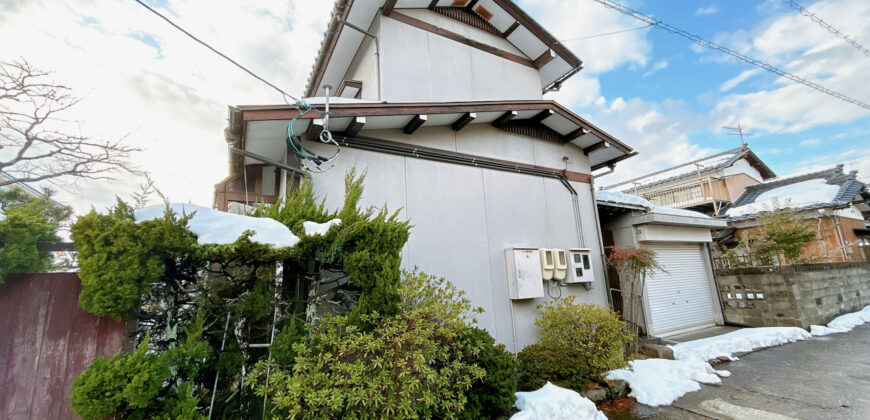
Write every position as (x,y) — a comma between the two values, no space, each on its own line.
(220,228)
(656,382)
(314,228)
(843,323)
(740,341)
(554,403)
(797,195)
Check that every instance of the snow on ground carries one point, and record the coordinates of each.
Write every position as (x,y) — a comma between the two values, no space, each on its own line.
(314,228)
(554,403)
(216,227)
(843,323)
(656,382)
(740,341)
(797,195)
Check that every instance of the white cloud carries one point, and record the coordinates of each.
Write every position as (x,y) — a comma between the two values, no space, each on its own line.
(658,65)
(141,78)
(799,46)
(809,142)
(740,78)
(707,11)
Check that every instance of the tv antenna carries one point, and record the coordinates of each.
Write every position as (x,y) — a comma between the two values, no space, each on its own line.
(738,131)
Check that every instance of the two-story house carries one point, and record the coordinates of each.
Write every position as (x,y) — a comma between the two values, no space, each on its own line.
(705,185)
(441,103)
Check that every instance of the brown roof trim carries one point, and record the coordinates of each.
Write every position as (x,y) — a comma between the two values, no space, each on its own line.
(539,31)
(341,10)
(365,109)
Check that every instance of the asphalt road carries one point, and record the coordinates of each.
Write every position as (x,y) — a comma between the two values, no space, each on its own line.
(822,378)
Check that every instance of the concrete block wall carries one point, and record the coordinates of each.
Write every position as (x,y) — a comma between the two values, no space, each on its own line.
(793,295)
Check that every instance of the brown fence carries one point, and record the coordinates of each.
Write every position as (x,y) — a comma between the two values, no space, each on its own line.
(46,340)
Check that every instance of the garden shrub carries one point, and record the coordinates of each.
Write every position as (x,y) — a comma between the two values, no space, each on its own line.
(27,220)
(492,397)
(563,366)
(411,365)
(596,333)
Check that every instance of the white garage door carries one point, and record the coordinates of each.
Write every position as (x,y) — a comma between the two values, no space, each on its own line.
(680,297)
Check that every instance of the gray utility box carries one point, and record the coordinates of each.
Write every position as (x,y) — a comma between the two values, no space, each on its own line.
(524,277)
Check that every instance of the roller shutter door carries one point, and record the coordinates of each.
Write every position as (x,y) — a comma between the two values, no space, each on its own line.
(680,297)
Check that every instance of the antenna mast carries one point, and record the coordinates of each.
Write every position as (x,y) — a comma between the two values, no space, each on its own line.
(738,131)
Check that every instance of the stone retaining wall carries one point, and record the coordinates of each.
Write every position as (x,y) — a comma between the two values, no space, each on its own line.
(793,295)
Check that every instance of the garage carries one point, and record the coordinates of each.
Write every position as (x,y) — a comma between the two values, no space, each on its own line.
(679,297)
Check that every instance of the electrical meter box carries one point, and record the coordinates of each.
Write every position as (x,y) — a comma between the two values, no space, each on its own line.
(548,263)
(579,266)
(560,263)
(524,276)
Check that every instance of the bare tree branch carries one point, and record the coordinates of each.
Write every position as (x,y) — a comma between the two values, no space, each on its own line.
(35,147)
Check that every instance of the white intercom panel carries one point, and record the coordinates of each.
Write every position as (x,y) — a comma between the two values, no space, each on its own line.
(579,266)
(524,273)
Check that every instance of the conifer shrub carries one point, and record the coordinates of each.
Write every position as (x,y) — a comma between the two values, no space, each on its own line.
(26,221)
(542,363)
(414,364)
(493,396)
(597,334)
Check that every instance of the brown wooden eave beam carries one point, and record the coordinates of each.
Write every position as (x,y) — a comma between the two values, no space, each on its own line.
(541,116)
(356,124)
(544,58)
(464,120)
(600,145)
(414,124)
(388,7)
(575,134)
(501,120)
(510,29)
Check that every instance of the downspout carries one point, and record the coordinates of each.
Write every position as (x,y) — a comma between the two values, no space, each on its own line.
(841,237)
(377,50)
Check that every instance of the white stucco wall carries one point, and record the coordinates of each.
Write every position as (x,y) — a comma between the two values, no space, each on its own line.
(365,66)
(742,166)
(464,217)
(419,66)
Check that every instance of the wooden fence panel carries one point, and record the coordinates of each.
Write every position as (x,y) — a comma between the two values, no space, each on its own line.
(46,340)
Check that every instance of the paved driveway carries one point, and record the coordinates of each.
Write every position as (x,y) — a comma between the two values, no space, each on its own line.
(822,378)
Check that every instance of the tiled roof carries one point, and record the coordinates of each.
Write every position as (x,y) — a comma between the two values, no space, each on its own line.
(689,169)
(848,184)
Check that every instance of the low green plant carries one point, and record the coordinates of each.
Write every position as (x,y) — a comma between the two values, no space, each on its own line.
(596,333)
(411,365)
(541,363)
(27,220)
(492,397)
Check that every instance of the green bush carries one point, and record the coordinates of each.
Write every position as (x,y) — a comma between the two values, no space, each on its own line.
(26,221)
(492,397)
(120,385)
(596,333)
(411,365)
(540,363)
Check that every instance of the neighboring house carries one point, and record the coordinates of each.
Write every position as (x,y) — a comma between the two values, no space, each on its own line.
(448,123)
(683,296)
(834,202)
(705,185)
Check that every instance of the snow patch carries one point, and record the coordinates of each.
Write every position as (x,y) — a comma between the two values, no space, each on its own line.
(842,323)
(740,341)
(633,200)
(314,228)
(554,403)
(656,382)
(797,195)
(216,227)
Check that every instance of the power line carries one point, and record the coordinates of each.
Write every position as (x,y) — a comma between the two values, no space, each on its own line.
(287,95)
(794,5)
(708,44)
(606,33)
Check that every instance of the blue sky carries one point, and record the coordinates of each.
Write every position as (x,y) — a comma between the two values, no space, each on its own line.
(142,80)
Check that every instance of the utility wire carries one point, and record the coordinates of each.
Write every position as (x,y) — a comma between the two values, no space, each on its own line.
(708,44)
(606,33)
(796,6)
(216,51)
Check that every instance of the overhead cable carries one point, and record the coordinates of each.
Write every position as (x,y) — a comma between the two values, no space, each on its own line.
(606,33)
(796,6)
(711,45)
(287,95)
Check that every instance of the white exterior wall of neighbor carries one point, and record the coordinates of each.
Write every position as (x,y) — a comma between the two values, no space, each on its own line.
(465,217)
(742,166)
(419,66)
